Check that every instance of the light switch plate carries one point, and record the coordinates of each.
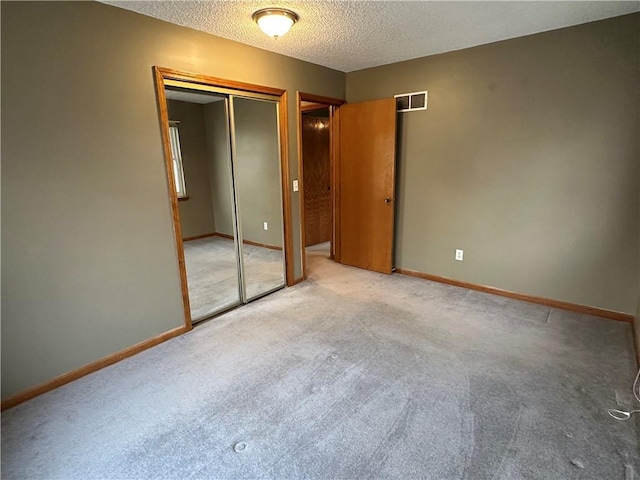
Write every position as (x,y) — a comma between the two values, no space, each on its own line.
(295,185)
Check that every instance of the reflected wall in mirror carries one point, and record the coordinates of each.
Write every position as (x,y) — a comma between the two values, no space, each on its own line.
(225,160)
(201,155)
(259,196)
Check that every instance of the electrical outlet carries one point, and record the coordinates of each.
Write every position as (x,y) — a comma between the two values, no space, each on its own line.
(295,185)
(459,254)
(266,226)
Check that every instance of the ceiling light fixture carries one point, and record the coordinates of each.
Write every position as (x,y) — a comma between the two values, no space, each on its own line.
(275,22)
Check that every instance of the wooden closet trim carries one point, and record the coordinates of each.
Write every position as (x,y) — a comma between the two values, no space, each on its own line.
(162,74)
(311,107)
(197,79)
(159,76)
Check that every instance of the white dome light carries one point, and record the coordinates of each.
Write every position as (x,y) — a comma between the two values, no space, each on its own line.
(275,22)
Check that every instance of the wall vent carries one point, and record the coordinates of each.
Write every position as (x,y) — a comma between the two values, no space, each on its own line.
(408,102)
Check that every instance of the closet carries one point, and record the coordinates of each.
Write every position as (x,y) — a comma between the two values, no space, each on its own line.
(225,175)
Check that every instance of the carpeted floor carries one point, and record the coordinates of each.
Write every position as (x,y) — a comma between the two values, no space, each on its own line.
(212,273)
(351,374)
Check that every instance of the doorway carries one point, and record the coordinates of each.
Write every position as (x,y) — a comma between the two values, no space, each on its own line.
(362,151)
(225,168)
(317,140)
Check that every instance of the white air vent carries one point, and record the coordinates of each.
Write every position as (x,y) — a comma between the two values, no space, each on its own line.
(408,102)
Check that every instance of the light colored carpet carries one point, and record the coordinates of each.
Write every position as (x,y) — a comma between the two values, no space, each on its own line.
(351,374)
(212,274)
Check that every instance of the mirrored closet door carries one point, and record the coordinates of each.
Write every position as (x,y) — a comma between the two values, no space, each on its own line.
(225,159)
(257,173)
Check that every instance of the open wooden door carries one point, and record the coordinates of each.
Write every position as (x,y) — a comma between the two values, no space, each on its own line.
(366,184)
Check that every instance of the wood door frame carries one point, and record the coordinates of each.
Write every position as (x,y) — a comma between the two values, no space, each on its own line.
(160,75)
(334,107)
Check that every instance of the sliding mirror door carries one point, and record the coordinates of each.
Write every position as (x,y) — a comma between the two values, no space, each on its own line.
(201,157)
(258,192)
(223,154)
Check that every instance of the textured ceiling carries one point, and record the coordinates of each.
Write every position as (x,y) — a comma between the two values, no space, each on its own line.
(352,35)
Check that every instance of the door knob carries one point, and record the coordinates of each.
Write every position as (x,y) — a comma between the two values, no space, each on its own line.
(388,200)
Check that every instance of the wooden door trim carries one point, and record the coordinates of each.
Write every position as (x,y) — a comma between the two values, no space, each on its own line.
(161,74)
(313,106)
(310,97)
(319,102)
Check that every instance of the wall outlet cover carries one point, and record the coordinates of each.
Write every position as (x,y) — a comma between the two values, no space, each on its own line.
(459,255)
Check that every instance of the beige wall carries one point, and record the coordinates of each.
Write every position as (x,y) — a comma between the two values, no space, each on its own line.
(88,259)
(527,158)
(257,168)
(196,212)
(218,147)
